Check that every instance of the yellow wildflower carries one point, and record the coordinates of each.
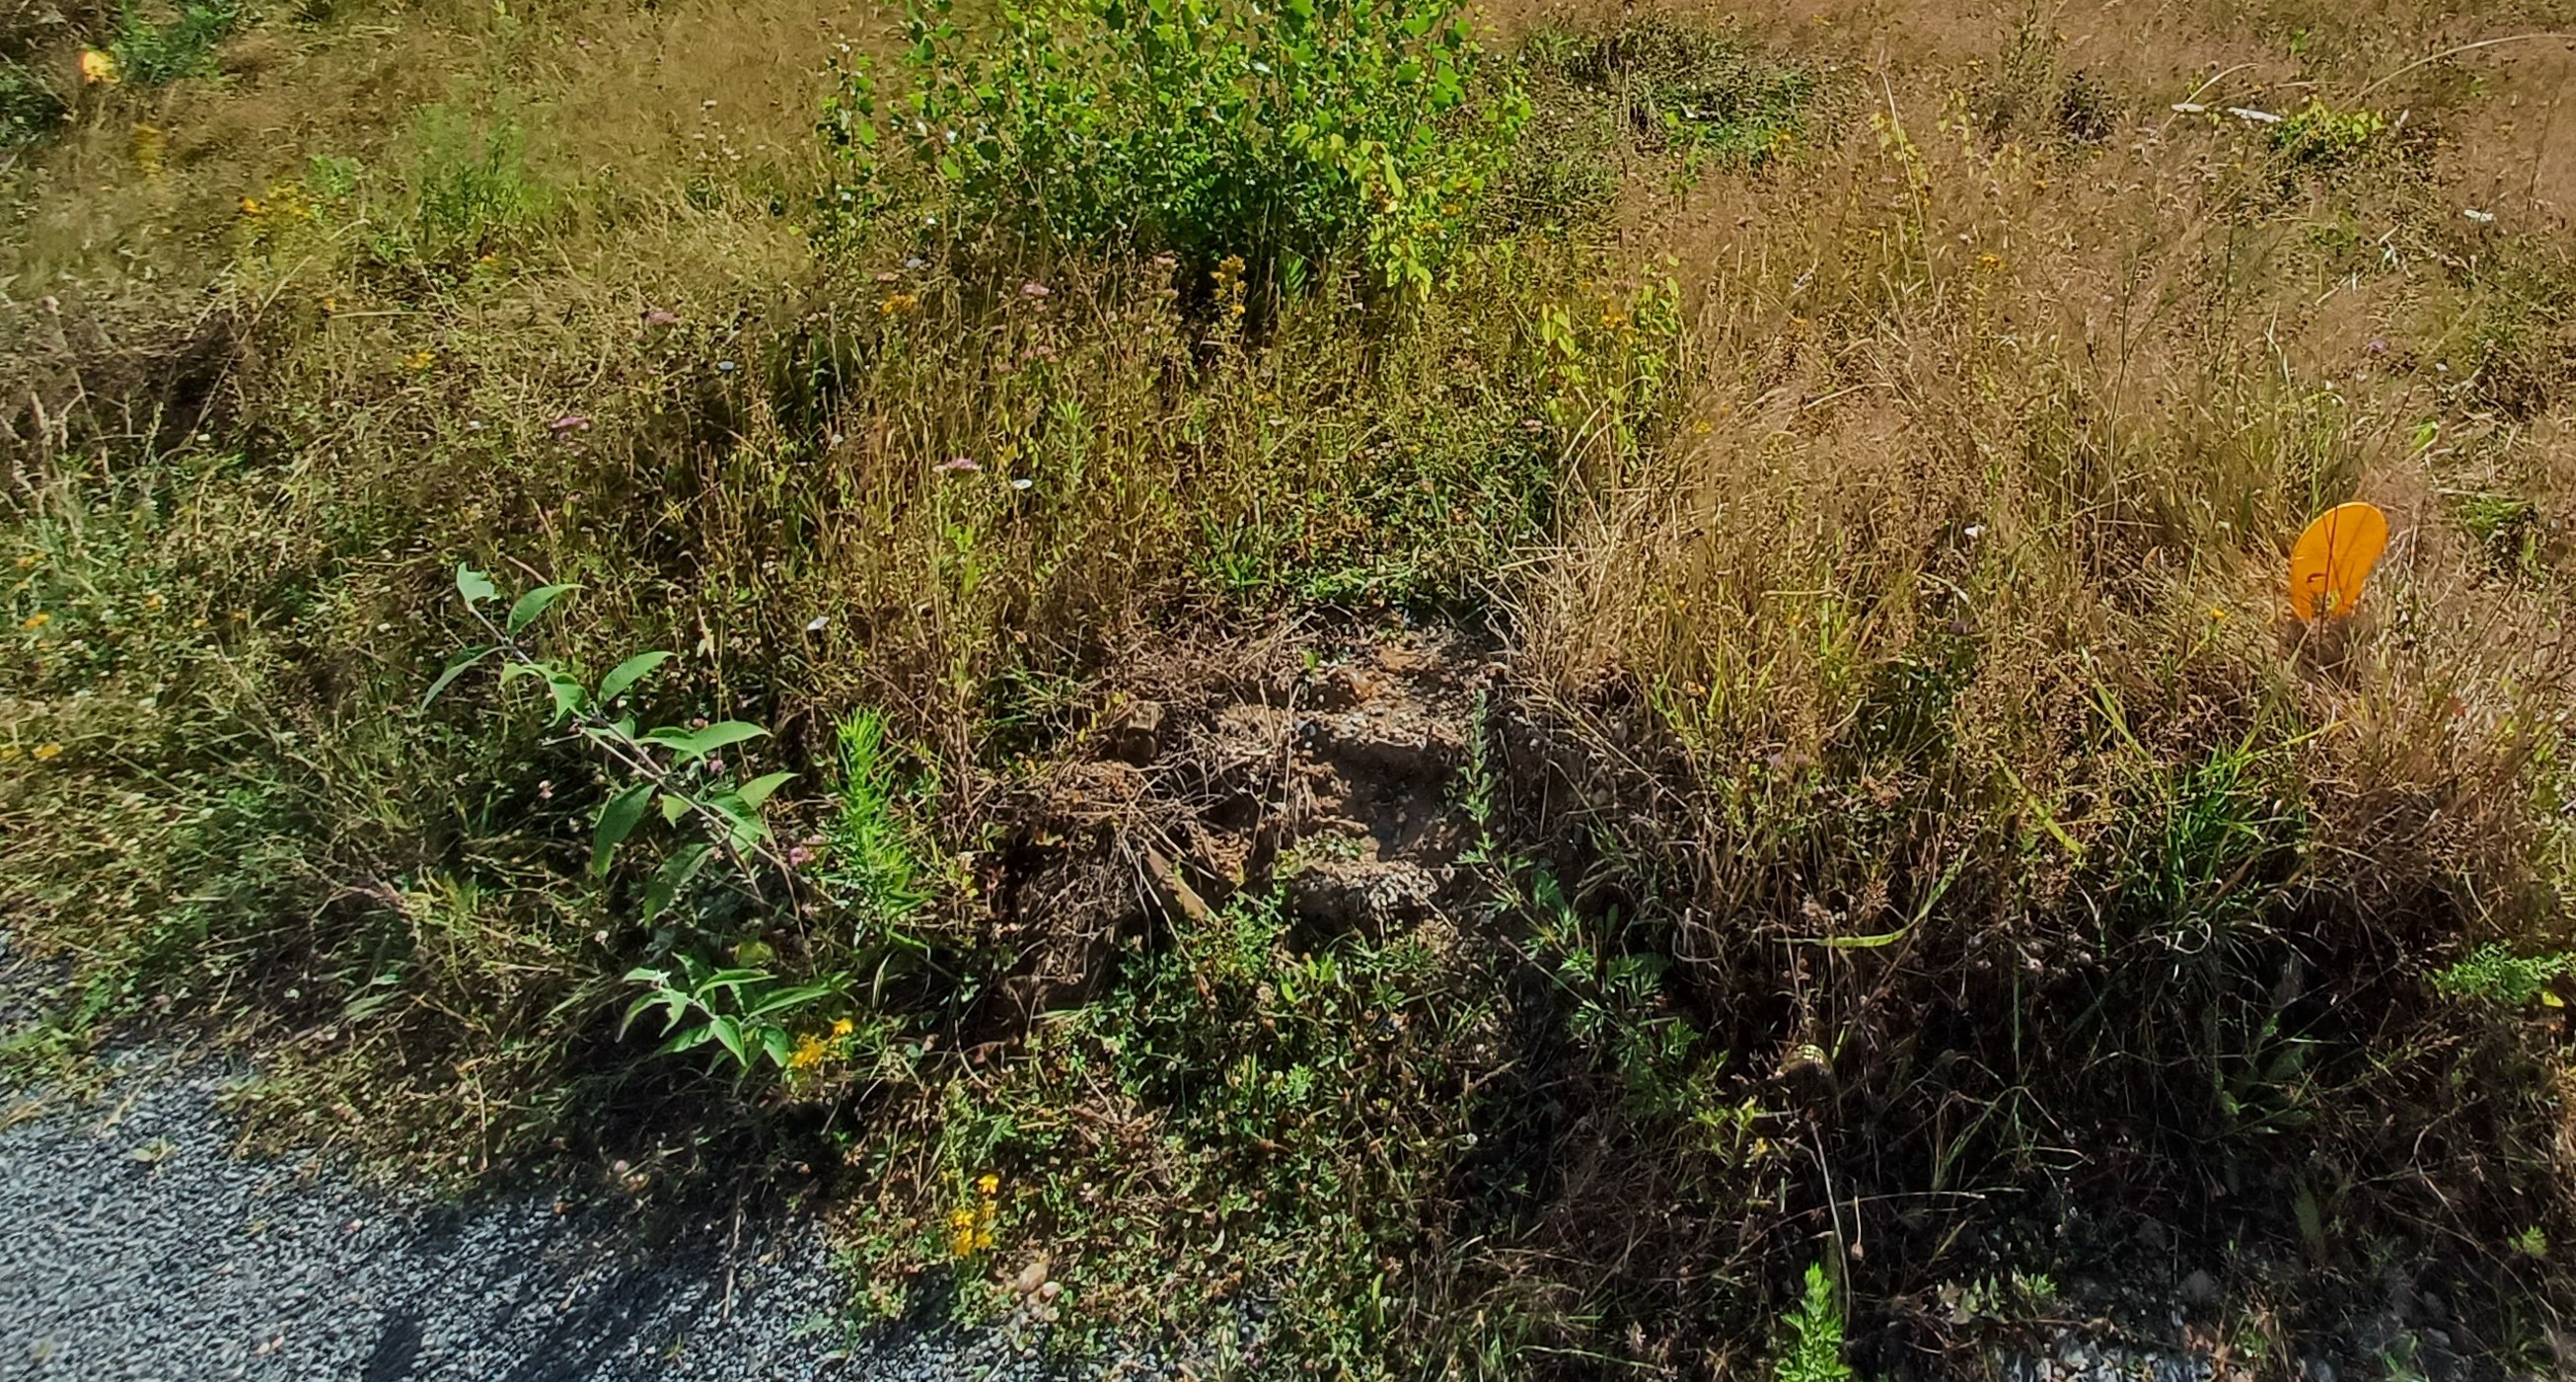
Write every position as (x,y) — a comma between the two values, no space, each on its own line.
(989,1184)
(809,1053)
(35,621)
(253,207)
(48,752)
(97,68)
(961,1232)
(844,1027)
(420,360)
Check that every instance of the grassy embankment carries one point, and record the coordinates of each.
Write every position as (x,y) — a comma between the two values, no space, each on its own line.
(1909,833)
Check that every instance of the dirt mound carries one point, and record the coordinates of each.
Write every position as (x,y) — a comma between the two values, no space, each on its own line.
(1319,766)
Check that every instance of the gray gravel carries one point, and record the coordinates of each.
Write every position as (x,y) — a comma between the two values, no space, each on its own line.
(134,1244)
(138,1247)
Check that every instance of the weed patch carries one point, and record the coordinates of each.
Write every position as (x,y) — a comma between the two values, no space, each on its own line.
(1507,706)
(1341,129)
(155,51)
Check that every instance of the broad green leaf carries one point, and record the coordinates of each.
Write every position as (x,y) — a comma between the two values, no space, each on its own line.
(743,826)
(729,1033)
(671,1000)
(674,875)
(474,586)
(456,668)
(773,1040)
(526,608)
(698,743)
(617,820)
(627,673)
(674,806)
(757,790)
(568,693)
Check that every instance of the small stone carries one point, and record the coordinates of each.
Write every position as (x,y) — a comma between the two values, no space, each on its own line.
(2200,1289)
(1139,734)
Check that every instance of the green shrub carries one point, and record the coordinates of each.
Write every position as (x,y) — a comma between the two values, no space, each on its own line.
(150,54)
(2321,135)
(29,109)
(871,859)
(1812,1349)
(2493,974)
(1214,128)
(467,192)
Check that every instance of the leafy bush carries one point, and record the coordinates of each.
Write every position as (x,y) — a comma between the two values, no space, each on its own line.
(29,109)
(2320,135)
(470,189)
(1812,1350)
(869,842)
(2493,974)
(1210,127)
(150,54)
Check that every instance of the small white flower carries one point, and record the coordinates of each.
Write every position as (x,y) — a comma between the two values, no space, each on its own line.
(820,622)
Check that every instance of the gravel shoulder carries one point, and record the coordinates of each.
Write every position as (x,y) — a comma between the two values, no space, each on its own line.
(140,1247)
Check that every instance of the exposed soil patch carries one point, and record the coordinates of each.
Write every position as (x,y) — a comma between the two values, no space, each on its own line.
(1321,768)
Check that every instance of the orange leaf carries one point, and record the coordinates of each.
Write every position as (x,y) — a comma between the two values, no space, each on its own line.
(2332,559)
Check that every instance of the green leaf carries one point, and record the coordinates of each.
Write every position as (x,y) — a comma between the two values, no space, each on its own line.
(569,693)
(617,820)
(757,790)
(456,668)
(526,609)
(674,806)
(674,875)
(773,1040)
(474,586)
(728,1033)
(627,673)
(743,827)
(796,997)
(695,744)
